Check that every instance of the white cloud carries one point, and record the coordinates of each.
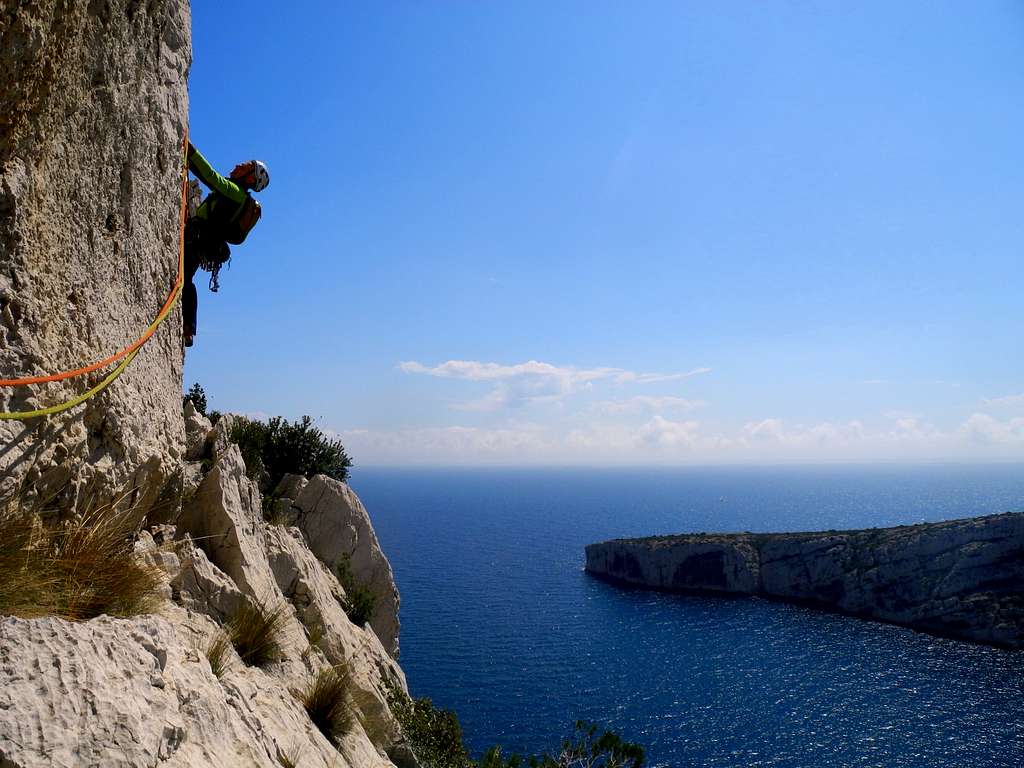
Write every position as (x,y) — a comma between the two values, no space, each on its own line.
(662,440)
(477,371)
(642,403)
(768,429)
(809,438)
(653,428)
(982,428)
(453,444)
(532,381)
(1008,400)
(626,377)
(662,433)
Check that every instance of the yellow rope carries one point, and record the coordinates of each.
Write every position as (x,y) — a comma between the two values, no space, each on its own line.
(22,415)
(61,407)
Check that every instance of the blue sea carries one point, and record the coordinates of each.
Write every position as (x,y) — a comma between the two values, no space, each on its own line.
(500,623)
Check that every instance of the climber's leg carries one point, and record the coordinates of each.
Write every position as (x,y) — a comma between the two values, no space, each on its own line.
(189,296)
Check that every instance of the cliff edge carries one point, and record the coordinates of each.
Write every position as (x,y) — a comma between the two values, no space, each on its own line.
(961,578)
(148,689)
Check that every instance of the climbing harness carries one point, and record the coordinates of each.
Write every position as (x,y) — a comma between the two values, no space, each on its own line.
(128,353)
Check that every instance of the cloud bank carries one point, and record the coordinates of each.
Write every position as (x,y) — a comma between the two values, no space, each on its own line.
(514,386)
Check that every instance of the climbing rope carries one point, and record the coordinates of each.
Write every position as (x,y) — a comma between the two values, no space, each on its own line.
(128,353)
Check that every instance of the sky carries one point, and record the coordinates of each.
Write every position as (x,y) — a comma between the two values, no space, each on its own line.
(606,233)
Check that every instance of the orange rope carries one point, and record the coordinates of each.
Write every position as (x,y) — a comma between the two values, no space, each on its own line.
(175,290)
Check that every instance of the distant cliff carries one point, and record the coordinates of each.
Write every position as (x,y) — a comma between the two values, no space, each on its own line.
(962,578)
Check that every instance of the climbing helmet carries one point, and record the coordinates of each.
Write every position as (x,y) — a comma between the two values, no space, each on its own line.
(253,174)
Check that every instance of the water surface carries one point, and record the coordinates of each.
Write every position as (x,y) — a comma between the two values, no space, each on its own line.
(500,623)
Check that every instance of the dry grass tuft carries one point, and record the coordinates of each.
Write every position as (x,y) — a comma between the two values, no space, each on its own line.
(218,653)
(288,759)
(326,702)
(76,569)
(255,631)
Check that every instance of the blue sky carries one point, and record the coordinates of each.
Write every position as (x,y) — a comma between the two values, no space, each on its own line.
(620,233)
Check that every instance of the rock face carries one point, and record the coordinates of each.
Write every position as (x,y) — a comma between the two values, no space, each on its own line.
(93,109)
(141,692)
(963,578)
(338,528)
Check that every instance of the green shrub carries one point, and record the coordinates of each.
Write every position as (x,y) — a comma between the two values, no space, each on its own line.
(436,739)
(198,398)
(326,702)
(278,447)
(584,749)
(255,632)
(359,603)
(434,734)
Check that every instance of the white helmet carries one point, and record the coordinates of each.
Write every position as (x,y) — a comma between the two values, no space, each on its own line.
(262,175)
(253,174)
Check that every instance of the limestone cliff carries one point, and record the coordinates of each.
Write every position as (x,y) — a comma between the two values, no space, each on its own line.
(93,109)
(140,691)
(962,578)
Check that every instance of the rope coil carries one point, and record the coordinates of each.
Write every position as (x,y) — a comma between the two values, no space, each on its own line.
(128,353)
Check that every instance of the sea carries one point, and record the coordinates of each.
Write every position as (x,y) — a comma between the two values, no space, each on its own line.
(501,623)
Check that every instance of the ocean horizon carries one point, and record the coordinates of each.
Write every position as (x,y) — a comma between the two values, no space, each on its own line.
(501,624)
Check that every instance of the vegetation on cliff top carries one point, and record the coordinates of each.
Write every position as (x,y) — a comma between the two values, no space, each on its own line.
(278,447)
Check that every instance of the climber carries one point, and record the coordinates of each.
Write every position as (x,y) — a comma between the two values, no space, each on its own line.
(225,216)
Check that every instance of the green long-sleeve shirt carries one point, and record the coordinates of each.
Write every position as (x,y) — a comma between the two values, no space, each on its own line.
(226,198)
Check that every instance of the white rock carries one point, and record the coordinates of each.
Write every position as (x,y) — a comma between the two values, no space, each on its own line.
(315,593)
(114,693)
(91,160)
(225,519)
(197,431)
(336,525)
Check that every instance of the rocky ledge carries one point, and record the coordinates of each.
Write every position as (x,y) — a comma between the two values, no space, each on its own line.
(960,578)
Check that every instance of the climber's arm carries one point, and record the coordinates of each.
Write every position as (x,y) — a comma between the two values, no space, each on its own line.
(204,171)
